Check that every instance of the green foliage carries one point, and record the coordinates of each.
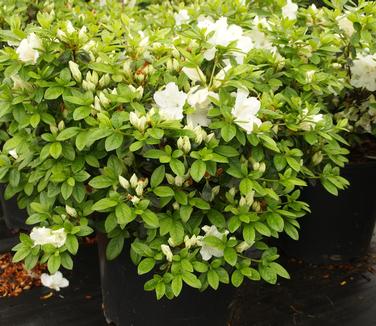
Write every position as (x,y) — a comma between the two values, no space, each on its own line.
(85,142)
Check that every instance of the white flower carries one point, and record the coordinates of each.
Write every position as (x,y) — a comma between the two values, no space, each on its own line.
(346,25)
(363,72)
(170,102)
(28,49)
(244,44)
(209,54)
(194,74)
(42,236)
(260,41)
(263,22)
(13,153)
(290,10)
(207,251)
(245,111)
(167,252)
(58,238)
(54,281)
(181,17)
(184,144)
(70,211)
(199,99)
(134,180)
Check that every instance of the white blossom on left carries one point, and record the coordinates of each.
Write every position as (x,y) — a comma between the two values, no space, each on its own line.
(28,49)
(170,102)
(42,236)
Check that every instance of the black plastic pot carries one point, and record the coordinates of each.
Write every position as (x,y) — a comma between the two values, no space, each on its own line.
(126,303)
(13,216)
(339,228)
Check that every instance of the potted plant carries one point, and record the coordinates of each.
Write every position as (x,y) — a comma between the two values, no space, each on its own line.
(347,219)
(182,136)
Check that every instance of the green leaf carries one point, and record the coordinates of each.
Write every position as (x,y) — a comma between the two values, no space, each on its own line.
(213,279)
(177,285)
(330,187)
(53,264)
(21,254)
(104,204)
(72,244)
(68,133)
(114,141)
(191,280)
(227,151)
(281,271)
(246,186)
(164,191)
(101,182)
(293,163)
(157,176)
(114,247)
(198,170)
(150,218)
(53,92)
(213,241)
(230,256)
(177,167)
(124,214)
(262,229)
(275,221)
(145,266)
(199,203)
(66,261)
(228,132)
(216,218)
(55,150)
(81,112)
(237,278)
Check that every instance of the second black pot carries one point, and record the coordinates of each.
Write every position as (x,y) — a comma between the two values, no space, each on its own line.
(339,228)
(126,303)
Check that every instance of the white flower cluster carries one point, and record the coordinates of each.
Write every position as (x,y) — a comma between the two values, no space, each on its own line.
(171,101)
(138,185)
(363,72)
(290,10)
(223,34)
(42,236)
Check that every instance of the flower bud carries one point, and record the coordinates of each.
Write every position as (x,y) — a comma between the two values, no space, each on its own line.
(135,200)
(256,166)
(75,70)
(171,242)
(104,81)
(243,246)
(256,206)
(70,211)
(175,206)
(97,104)
(139,189)
(262,167)
(124,182)
(317,158)
(61,125)
(54,130)
(13,153)
(170,179)
(88,86)
(134,181)
(103,99)
(184,144)
(232,192)
(215,191)
(179,181)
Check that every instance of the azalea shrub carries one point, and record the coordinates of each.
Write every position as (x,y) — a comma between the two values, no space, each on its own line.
(182,132)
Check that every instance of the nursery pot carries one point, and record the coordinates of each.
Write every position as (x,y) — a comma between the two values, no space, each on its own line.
(340,228)
(126,303)
(13,216)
